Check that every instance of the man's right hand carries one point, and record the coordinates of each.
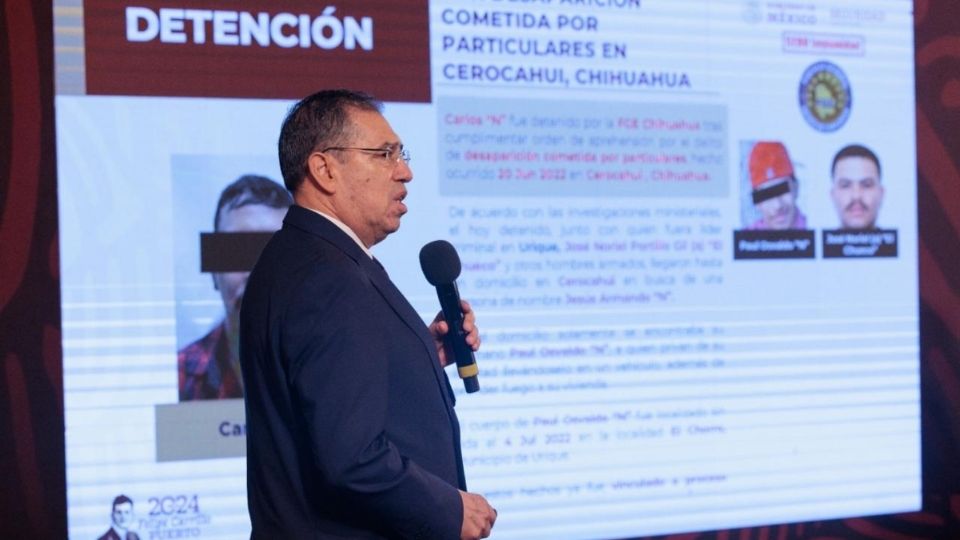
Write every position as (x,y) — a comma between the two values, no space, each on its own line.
(478,517)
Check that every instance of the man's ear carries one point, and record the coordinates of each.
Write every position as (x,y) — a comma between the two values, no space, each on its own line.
(322,172)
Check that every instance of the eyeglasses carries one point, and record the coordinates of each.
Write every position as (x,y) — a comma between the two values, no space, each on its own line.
(391,154)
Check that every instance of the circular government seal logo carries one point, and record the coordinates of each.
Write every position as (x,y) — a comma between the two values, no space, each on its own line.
(825,98)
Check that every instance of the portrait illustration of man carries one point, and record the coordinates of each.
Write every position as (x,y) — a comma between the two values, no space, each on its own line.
(855,188)
(774,188)
(121,518)
(209,368)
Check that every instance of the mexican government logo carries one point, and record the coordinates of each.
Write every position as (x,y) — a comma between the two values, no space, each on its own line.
(825,98)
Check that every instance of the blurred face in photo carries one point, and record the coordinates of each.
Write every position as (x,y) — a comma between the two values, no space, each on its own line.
(857,193)
(122,515)
(246,218)
(779,212)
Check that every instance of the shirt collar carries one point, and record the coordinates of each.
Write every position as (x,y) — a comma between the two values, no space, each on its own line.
(343,227)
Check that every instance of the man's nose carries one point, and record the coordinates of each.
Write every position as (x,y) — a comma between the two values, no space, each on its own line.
(403,172)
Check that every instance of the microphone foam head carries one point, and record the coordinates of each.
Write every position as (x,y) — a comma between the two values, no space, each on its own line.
(440,262)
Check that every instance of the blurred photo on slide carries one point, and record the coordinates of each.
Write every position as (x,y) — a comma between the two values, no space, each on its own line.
(209,368)
(855,187)
(775,188)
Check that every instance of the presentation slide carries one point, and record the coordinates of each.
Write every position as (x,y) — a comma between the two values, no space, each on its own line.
(688,229)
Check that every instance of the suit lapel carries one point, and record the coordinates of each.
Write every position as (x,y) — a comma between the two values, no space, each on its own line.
(410,317)
(316,224)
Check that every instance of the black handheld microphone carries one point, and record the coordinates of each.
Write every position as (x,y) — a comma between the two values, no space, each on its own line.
(441,266)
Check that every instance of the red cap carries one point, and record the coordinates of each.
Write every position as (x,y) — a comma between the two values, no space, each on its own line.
(768,161)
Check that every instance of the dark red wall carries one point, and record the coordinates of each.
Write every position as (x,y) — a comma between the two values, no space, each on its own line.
(33,493)
(32,476)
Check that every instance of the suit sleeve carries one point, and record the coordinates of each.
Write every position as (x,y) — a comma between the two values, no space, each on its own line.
(338,370)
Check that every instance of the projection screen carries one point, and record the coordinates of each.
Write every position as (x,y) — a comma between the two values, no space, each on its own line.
(688,229)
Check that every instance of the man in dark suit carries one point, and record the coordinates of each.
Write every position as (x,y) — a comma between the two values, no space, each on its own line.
(351,431)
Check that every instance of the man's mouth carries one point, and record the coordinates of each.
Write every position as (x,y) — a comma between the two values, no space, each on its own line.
(856,208)
(782,214)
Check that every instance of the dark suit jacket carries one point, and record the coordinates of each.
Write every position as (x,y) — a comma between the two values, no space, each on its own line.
(351,431)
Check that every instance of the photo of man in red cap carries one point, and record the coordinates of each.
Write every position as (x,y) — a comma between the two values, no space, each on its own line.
(774,188)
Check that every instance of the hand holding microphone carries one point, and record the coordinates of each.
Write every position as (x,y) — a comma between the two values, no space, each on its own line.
(441,266)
